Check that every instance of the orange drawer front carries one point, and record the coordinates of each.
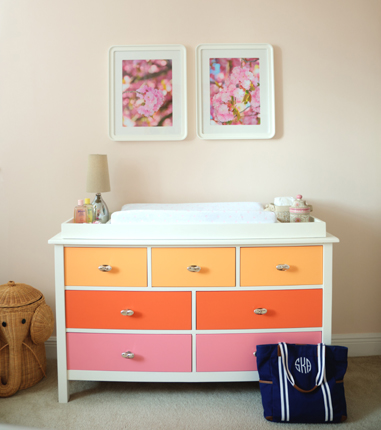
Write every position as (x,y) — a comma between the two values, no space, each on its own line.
(152,310)
(128,267)
(224,310)
(258,266)
(169,267)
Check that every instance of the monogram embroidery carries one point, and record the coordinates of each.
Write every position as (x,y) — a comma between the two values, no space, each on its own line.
(303,365)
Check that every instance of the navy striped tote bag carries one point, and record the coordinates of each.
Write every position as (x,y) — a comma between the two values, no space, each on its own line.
(302,383)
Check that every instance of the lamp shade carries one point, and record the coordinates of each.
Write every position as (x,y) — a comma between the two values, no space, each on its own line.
(98,180)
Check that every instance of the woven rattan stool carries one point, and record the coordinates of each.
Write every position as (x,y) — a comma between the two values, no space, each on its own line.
(26,322)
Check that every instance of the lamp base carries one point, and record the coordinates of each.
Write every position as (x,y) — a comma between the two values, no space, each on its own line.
(101,210)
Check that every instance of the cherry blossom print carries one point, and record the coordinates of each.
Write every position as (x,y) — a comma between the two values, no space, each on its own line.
(150,100)
(234,91)
(223,114)
(147,93)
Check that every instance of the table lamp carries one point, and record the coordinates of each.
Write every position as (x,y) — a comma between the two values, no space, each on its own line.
(98,181)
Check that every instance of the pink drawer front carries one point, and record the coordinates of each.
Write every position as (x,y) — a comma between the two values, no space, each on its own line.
(152,353)
(234,352)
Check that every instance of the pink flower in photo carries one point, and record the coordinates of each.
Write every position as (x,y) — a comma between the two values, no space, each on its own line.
(238,94)
(216,100)
(147,93)
(234,91)
(153,69)
(152,100)
(224,114)
(243,77)
(126,83)
(255,99)
(220,77)
(256,77)
(225,97)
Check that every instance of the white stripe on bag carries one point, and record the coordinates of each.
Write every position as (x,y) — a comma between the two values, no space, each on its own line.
(319,365)
(329,398)
(324,386)
(286,397)
(284,354)
(318,381)
(325,402)
(280,368)
(282,365)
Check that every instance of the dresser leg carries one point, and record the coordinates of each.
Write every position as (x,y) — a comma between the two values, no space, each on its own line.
(63,391)
(63,383)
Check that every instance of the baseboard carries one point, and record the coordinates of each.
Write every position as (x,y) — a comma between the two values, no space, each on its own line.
(358,344)
(51,347)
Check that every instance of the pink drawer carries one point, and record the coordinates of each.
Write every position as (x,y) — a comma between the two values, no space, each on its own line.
(234,352)
(152,353)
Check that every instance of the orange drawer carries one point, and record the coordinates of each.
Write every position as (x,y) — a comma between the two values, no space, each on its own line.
(152,310)
(258,266)
(169,267)
(224,310)
(128,267)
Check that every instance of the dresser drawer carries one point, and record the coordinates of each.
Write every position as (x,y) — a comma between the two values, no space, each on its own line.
(152,310)
(152,353)
(224,310)
(234,352)
(259,266)
(170,267)
(128,267)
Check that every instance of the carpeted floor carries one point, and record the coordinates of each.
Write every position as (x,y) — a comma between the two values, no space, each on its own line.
(208,406)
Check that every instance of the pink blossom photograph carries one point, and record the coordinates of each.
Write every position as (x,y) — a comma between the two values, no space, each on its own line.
(147,93)
(234,91)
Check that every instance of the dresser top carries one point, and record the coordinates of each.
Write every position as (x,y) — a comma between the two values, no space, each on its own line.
(60,240)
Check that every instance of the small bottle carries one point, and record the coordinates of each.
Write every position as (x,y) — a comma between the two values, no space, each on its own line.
(90,212)
(80,212)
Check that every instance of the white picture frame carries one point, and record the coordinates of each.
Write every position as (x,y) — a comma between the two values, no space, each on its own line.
(147,93)
(250,115)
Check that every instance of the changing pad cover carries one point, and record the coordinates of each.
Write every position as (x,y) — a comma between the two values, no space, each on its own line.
(193,213)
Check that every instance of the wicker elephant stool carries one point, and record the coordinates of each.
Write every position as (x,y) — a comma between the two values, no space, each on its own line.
(26,322)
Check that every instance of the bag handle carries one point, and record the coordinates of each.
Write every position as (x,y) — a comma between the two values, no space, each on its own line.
(283,354)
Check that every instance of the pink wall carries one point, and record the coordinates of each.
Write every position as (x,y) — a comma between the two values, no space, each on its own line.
(53,110)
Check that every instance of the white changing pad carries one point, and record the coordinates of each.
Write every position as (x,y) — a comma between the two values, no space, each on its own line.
(193,213)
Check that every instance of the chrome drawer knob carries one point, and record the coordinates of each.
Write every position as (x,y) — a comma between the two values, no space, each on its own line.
(193,268)
(282,267)
(260,311)
(128,354)
(104,268)
(127,312)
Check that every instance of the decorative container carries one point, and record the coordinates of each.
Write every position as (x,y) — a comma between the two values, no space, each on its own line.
(282,212)
(26,322)
(299,210)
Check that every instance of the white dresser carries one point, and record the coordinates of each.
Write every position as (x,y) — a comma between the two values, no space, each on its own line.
(185,310)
